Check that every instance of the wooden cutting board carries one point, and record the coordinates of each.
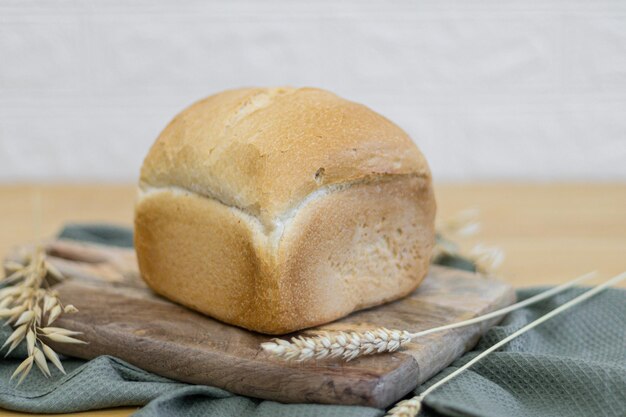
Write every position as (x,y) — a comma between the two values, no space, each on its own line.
(119,316)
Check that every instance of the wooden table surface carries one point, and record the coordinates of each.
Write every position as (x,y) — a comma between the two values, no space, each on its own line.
(549,232)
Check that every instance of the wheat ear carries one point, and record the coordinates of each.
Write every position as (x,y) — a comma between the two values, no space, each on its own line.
(411,407)
(347,345)
(350,345)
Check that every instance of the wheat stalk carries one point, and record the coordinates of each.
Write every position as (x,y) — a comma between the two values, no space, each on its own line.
(407,408)
(350,345)
(347,345)
(30,307)
(411,407)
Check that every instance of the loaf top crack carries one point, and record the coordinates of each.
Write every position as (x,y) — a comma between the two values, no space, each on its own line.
(264,150)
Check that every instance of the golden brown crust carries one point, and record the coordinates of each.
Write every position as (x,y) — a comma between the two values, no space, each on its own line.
(355,248)
(175,265)
(264,150)
(335,254)
(281,209)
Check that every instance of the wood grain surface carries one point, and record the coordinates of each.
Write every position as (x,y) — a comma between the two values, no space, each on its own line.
(119,316)
(550,232)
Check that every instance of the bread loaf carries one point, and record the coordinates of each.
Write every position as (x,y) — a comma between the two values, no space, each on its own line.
(280,209)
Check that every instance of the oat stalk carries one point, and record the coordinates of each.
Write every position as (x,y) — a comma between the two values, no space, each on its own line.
(350,345)
(485,258)
(411,407)
(30,307)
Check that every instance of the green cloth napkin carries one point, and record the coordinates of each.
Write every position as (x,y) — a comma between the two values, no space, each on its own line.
(573,365)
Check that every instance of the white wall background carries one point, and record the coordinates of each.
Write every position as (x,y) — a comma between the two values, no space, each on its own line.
(502,89)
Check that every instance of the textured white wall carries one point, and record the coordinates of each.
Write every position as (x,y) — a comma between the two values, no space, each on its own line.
(507,89)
